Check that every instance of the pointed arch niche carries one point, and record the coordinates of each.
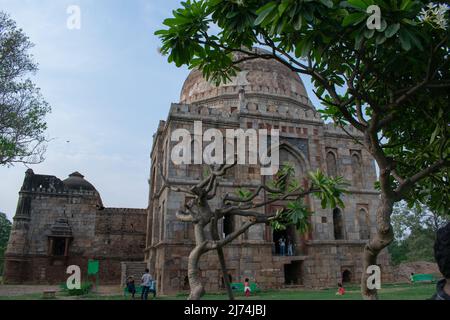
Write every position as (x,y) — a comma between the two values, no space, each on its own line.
(331,158)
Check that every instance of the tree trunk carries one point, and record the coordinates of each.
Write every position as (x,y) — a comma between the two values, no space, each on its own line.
(195,279)
(381,240)
(226,279)
(214,227)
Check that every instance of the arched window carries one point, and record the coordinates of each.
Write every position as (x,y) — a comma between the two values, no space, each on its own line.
(338,224)
(331,164)
(289,157)
(228,225)
(364,225)
(357,170)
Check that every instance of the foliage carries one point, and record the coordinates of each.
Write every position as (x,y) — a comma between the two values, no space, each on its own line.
(5,229)
(415,229)
(389,82)
(22,107)
(85,289)
(385,82)
(296,213)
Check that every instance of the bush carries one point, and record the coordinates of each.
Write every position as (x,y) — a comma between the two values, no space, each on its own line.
(85,289)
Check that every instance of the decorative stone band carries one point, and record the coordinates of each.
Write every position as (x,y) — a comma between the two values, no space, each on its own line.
(278,111)
(249,89)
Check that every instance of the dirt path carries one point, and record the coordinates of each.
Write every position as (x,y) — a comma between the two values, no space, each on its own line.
(20,290)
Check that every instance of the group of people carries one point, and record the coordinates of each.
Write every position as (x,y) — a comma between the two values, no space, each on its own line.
(147,283)
(283,243)
(149,286)
(441,250)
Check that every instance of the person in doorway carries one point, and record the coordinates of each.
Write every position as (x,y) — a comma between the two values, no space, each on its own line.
(146,283)
(341,290)
(131,287)
(290,248)
(247,289)
(282,243)
(442,256)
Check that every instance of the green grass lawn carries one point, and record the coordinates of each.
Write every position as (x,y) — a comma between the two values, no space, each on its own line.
(388,292)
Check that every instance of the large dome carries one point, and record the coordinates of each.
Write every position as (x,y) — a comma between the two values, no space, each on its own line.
(77,182)
(261,76)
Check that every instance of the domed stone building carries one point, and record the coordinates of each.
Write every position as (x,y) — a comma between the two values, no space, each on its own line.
(62,223)
(59,223)
(265,94)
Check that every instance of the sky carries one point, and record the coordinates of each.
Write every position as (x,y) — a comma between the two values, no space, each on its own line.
(108,88)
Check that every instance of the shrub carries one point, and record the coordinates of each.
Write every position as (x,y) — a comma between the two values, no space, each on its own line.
(85,289)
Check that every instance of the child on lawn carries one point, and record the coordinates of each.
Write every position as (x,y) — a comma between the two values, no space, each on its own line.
(247,289)
(341,290)
(131,287)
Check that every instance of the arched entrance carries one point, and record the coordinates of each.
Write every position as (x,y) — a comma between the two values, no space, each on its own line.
(289,155)
(288,236)
(346,276)
(293,273)
(228,225)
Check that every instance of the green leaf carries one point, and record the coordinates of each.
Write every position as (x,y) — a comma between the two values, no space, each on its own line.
(358,4)
(383,26)
(404,40)
(282,7)
(435,133)
(413,39)
(392,30)
(327,3)
(358,40)
(369,33)
(264,11)
(298,24)
(353,19)
(380,39)
(406,4)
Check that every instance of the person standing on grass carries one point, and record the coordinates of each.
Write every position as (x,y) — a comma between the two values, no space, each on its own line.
(247,289)
(146,283)
(442,256)
(153,288)
(131,287)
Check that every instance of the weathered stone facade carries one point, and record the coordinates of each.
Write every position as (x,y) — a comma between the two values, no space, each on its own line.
(264,95)
(61,223)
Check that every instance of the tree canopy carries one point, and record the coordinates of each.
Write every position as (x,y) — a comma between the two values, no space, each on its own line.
(5,229)
(415,233)
(22,107)
(380,80)
(386,75)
